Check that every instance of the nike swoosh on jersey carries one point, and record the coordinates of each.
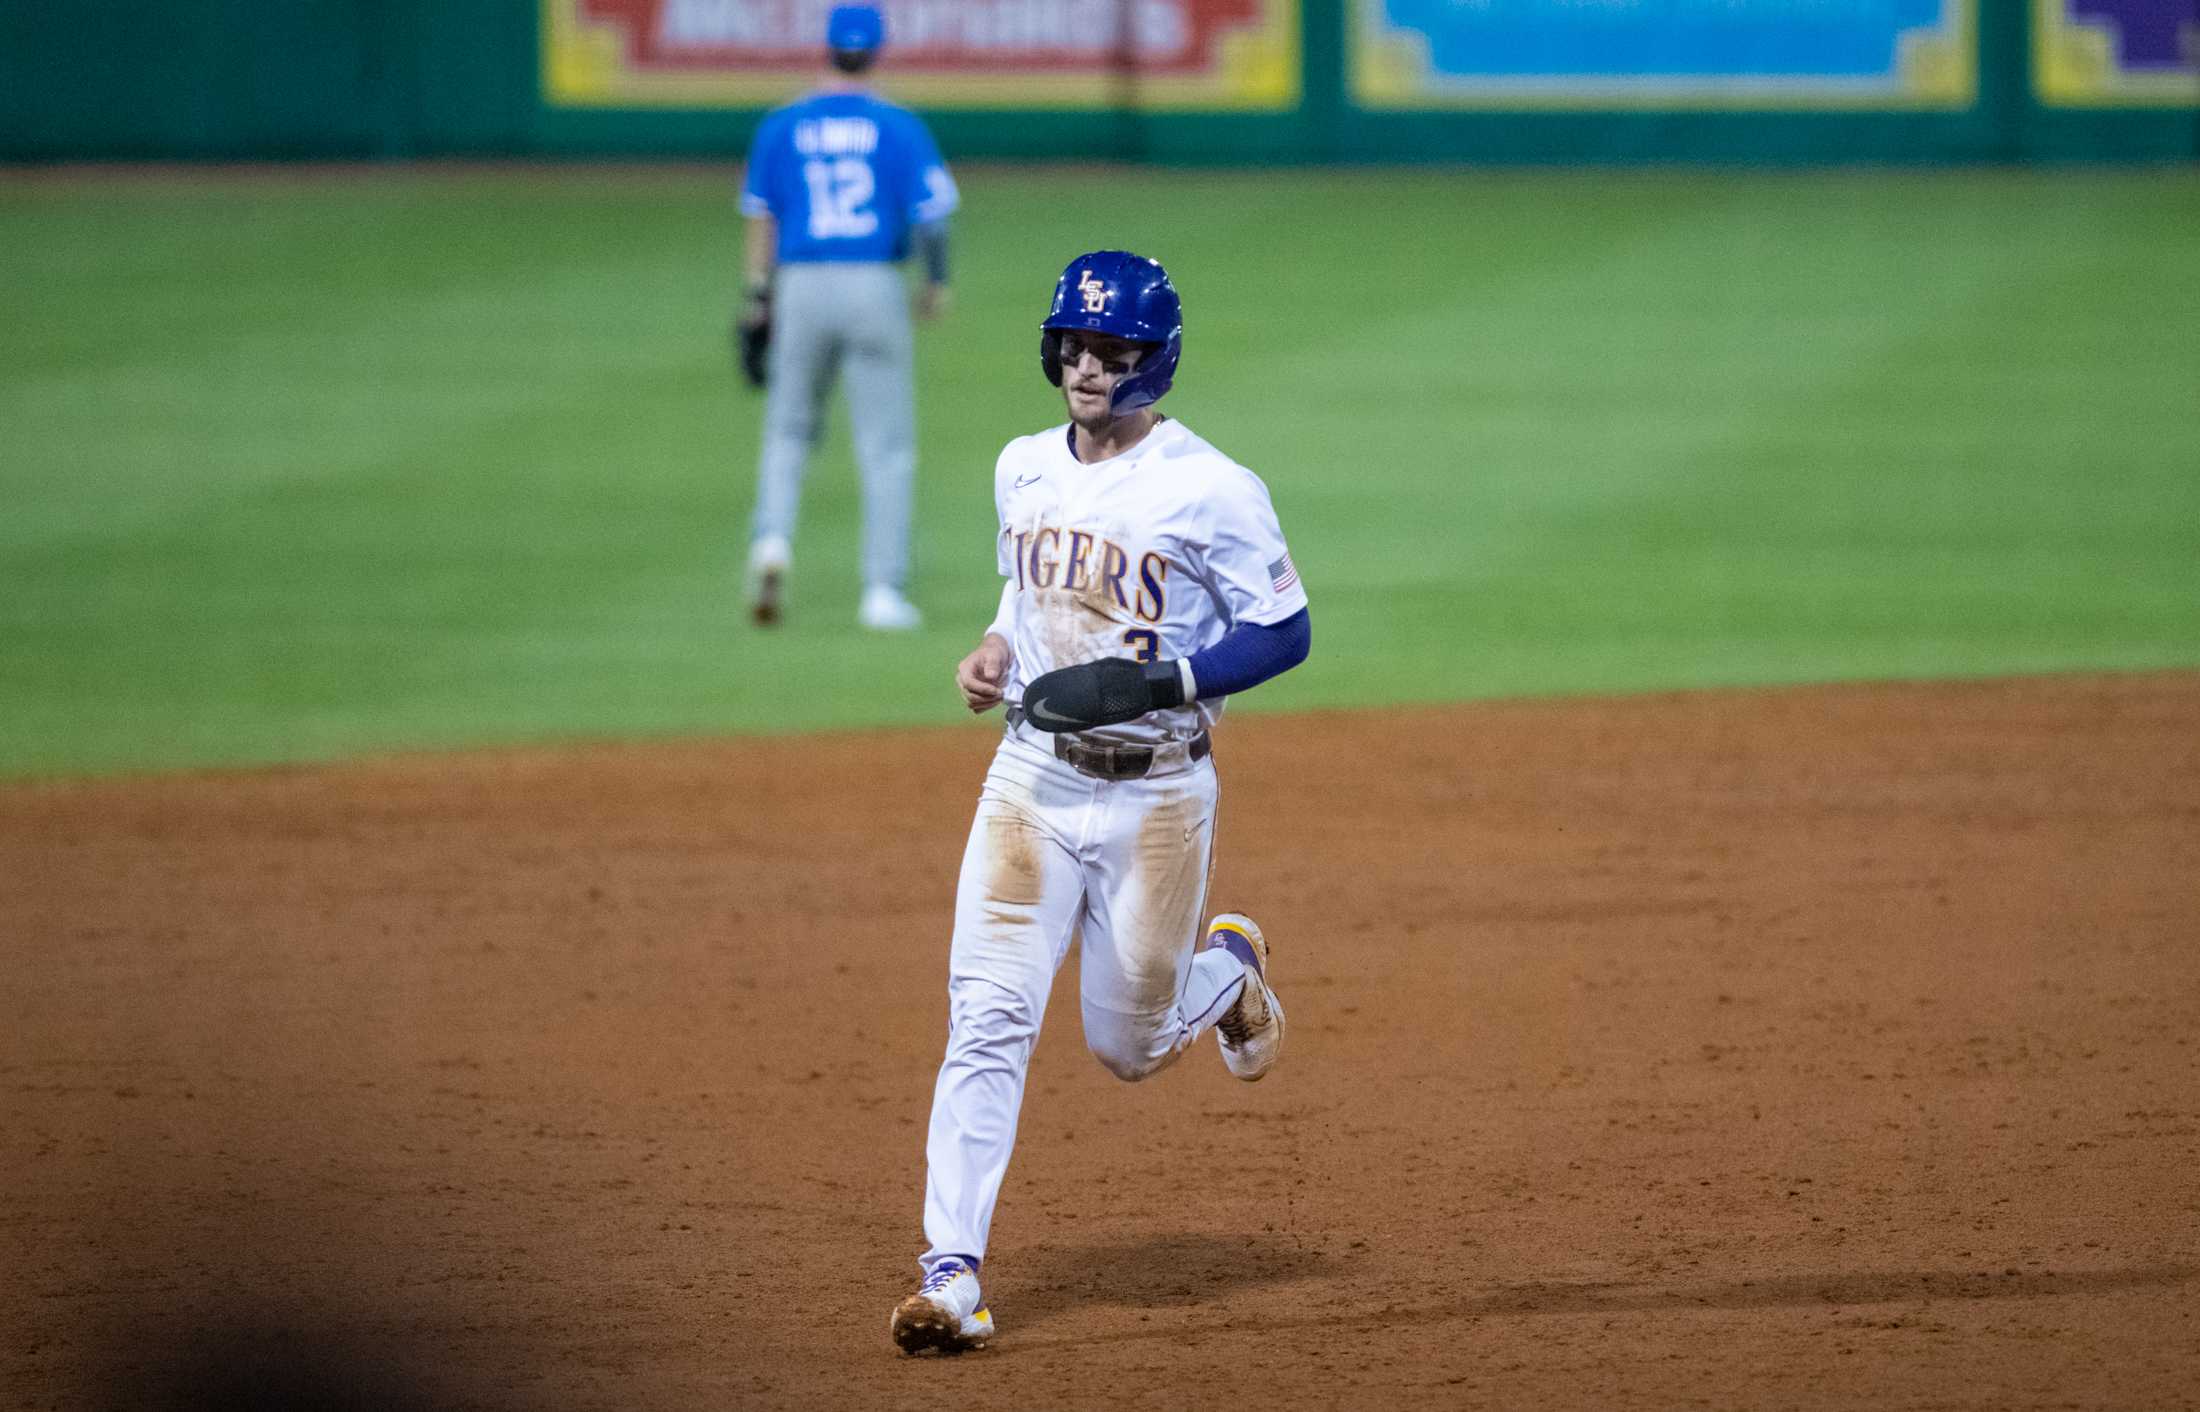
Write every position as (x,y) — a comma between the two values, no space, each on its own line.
(1026,480)
(1038,711)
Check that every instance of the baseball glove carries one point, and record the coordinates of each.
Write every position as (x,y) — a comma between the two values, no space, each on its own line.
(752,336)
(1102,693)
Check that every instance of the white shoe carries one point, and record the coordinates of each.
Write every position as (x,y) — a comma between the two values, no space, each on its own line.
(1251,1031)
(885,610)
(769,559)
(947,1314)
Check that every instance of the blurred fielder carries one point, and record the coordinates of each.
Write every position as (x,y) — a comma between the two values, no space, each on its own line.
(840,185)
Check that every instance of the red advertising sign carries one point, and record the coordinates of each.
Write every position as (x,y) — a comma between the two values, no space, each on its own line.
(978,53)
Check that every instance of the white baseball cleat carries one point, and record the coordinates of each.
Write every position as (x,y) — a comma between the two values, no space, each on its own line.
(947,1314)
(1251,1031)
(769,559)
(885,610)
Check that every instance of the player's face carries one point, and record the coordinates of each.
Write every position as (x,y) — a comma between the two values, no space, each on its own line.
(1092,364)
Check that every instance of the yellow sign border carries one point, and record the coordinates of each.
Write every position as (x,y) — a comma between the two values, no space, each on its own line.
(2074,66)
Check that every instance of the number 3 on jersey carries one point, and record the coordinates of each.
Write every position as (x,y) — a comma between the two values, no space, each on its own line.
(840,198)
(1144,643)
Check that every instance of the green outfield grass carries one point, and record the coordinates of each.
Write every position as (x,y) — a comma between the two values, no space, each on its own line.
(298,467)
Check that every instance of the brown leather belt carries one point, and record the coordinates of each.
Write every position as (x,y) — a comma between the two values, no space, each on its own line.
(1116,762)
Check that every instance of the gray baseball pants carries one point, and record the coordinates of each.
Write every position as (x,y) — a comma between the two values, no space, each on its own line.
(851,320)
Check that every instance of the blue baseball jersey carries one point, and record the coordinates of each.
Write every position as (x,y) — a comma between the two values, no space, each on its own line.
(846,175)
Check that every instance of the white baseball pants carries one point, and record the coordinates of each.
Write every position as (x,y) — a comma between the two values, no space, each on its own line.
(1121,863)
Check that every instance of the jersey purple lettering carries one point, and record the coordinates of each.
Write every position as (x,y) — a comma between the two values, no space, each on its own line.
(1043,565)
(1073,573)
(1023,547)
(1153,572)
(1114,563)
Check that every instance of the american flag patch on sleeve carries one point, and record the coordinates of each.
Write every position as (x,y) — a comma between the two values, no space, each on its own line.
(1283,573)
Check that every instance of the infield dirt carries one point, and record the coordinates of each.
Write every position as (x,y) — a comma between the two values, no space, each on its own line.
(1806,1048)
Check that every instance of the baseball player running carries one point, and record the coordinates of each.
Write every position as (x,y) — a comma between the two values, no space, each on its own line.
(1146,581)
(840,184)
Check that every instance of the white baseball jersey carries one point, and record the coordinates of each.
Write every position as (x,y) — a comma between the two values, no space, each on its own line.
(1152,555)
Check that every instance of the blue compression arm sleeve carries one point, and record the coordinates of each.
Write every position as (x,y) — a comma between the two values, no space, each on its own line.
(1250,654)
(931,241)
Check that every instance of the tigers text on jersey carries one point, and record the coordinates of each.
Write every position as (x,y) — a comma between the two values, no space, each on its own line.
(846,175)
(1153,554)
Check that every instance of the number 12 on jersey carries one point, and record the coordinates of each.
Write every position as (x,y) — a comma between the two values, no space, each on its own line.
(840,197)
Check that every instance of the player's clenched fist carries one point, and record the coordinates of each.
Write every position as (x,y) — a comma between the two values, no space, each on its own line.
(982,674)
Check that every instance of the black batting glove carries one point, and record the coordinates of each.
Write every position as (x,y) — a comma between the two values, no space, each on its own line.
(1103,693)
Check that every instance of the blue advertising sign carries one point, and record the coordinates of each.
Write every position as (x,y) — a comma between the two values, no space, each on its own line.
(1596,54)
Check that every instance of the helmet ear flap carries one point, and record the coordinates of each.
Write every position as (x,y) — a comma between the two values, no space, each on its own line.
(1050,354)
(1150,380)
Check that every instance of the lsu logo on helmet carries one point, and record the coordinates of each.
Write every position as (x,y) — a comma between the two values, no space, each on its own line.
(1128,296)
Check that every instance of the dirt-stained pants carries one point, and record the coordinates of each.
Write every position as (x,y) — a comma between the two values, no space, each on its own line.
(1121,863)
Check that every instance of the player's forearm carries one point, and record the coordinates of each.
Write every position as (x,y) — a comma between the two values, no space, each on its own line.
(760,253)
(1116,689)
(931,243)
(1248,655)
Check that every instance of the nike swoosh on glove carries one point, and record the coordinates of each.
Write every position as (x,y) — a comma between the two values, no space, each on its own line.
(1103,693)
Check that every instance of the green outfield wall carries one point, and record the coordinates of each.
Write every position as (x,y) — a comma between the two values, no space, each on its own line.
(1192,81)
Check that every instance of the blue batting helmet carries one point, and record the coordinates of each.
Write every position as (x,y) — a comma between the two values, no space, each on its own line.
(855,29)
(1116,292)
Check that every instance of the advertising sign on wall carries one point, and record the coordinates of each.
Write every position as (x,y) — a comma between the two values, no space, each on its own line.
(1167,54)
(1630,54)
(2116,53)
